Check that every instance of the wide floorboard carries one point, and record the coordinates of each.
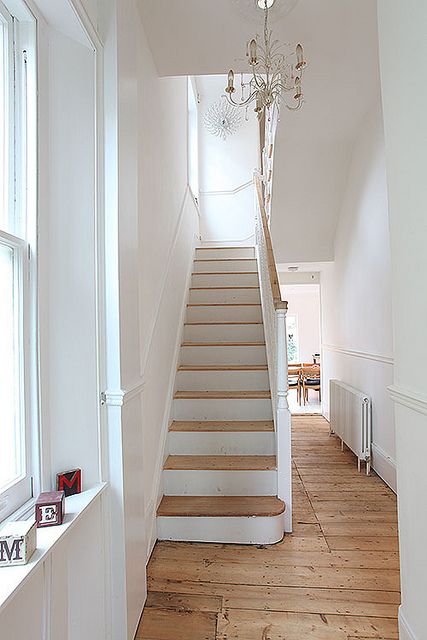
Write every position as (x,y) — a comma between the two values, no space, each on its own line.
(335,578)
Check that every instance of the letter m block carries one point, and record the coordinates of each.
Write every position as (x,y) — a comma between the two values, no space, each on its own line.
(17,542)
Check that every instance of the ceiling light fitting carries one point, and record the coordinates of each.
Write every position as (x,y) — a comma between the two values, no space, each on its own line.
(276,76)
(222,119)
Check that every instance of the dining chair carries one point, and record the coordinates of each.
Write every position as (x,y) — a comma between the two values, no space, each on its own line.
(310,379)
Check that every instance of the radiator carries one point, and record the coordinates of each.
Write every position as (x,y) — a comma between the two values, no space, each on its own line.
(351,419)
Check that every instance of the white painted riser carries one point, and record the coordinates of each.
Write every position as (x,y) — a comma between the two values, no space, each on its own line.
(222,381)
(224,333)
(224,265)
(203,409)
(230,252)
(220,443)
(242,530)
(223,355)
(225,280)
(219,483)
(225,295)
(224,313)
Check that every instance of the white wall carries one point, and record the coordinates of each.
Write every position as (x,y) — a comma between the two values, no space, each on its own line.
(402,37)
(157,229)
(356,292)
(304,302)
(226,171)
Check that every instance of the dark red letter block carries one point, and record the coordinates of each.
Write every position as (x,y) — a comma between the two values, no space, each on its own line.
(50,508)
(70,482)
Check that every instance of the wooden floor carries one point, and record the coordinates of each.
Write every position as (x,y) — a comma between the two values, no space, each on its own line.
(335,578)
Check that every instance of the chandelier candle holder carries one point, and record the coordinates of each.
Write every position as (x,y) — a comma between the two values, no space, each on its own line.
(276,76)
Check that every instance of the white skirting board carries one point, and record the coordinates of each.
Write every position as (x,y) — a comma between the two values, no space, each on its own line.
(384,466)
(405,632)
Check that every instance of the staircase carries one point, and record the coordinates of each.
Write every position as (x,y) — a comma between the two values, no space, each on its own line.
(220,477)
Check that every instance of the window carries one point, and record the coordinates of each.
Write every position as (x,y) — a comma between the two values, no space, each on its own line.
(292,335)
(16,189)
(193,140)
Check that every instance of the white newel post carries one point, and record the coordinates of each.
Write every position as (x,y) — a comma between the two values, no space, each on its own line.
(283,420)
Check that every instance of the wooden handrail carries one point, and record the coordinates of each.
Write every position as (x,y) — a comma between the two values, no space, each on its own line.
(272,269)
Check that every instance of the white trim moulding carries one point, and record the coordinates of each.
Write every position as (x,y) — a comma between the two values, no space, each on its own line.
(359,354)
(411,399)
(405,630)
(119,397)
(229,192)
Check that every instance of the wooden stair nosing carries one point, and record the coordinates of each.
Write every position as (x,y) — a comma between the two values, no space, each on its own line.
(226,288)
(222,426)
(223,344)
(220,506)
(226,323)
(219,463)
(223,304)
(222,395)
(223,248)
(222,367)
(225,273)
(222,259)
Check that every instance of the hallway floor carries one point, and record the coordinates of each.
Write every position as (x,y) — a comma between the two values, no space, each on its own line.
(335,578)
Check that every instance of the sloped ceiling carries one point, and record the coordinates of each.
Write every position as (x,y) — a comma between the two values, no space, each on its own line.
(314,145)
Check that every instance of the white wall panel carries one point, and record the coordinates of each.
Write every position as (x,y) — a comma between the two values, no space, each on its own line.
(402,28)
(356,291)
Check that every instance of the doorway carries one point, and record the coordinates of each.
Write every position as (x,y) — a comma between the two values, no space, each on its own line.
(303,339)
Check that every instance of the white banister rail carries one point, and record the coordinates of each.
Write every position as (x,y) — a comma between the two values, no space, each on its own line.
(274,316)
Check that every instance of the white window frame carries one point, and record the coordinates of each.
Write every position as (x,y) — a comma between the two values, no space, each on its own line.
(20,236)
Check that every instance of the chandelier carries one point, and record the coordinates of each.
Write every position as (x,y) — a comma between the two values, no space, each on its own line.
(276,76)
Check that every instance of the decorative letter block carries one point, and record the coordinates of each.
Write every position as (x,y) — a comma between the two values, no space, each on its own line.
(50,508)
(70,482)
(17,542)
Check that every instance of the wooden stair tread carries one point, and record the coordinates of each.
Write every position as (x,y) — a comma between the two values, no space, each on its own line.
(220,506)
(222,367)
(225,273)
(224,248)
(223,344)
(230,426)
(225,322)
(220,463)
(224,304)
(216,288)
(222,395)
(223,259)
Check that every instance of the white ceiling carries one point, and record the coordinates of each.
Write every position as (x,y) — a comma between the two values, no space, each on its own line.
(314,145)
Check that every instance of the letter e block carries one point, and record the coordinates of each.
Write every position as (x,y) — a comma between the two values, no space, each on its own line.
(17,542)
(50,509)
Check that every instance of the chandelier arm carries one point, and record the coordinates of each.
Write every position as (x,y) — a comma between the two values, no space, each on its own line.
(239,103)
(259,82)
(283,87)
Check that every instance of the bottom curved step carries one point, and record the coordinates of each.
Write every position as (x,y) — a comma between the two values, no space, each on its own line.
(232,519)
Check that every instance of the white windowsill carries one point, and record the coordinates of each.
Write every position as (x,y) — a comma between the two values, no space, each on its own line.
(12,579)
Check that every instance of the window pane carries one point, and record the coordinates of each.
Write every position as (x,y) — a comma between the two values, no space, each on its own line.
(12,464)
(293,342)
(4,125)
